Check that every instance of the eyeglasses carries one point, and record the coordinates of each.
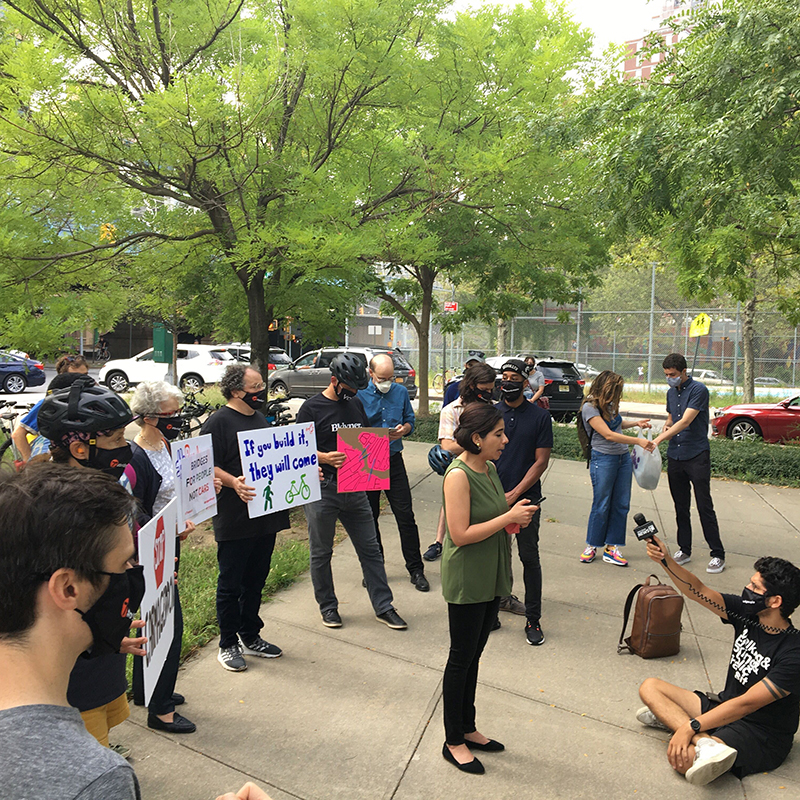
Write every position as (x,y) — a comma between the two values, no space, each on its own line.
(257,388)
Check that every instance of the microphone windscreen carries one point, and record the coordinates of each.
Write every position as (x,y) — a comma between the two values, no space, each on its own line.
(639,519)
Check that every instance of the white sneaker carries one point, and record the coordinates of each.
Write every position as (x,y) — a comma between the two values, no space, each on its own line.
(711,759)
(647,717)
(680,558)
(716,565)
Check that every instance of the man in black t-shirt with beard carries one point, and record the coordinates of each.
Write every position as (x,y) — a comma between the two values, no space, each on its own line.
(334,408)
(749,727)
(244,545)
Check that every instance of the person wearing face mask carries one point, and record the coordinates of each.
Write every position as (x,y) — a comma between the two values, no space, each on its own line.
(156,405)
(520,467)
(477,386)
(85,424)
(387,405)
(65,545)
(453,387)
(244,545)
(689,460)
(337,406)
(749,726)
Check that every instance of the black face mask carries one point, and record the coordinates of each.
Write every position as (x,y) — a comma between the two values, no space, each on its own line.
(111,616)
(512,390)
(170,427)
(344,393)
(754,603)
(255,400)
(483,395)
(112,462)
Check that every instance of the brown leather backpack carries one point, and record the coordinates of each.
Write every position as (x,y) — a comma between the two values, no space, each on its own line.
(656,629)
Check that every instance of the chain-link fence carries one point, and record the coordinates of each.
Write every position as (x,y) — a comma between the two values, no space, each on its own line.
(630,342)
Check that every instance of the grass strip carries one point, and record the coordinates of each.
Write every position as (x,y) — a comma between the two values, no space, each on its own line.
(198,587)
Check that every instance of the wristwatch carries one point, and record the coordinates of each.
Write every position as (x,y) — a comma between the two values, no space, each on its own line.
(695,725)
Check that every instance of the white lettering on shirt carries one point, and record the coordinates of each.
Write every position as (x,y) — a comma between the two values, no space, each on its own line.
(336,425)
(745,658)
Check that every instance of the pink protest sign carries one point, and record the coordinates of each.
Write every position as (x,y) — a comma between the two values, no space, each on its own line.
(366,466)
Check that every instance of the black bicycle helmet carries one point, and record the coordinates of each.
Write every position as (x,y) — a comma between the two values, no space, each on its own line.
(82,409)
(439,459)
(350,370)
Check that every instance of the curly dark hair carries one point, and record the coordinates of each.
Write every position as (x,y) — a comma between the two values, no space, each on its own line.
(233,379)
(477,373)
(781,578)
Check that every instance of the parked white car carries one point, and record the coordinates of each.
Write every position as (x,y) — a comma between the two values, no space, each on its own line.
(710,377)
(198,364)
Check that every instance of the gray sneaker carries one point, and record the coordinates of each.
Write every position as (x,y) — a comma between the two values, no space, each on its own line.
(231,658)
(716,565)
(647,717)
(261,648)
(680,558)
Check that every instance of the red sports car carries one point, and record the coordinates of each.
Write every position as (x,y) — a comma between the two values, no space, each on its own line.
(772,422)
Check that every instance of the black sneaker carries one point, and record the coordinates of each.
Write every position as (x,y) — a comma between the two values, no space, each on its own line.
(533,633)
(392,619)
(496,625)
(231,658)
(433,552)
(261,648)
(331,619)
(420,581)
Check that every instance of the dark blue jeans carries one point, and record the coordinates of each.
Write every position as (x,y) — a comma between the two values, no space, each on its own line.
(611,484)
(243,568)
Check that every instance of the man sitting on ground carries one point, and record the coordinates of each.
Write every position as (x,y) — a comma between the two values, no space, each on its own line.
(63,584)
(749,727)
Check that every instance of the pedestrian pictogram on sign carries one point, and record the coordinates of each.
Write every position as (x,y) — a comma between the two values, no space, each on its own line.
(700,326)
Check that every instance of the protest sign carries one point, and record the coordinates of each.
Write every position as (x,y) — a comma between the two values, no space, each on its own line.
(194,479)
(281,465)
(366,466)
(157,556)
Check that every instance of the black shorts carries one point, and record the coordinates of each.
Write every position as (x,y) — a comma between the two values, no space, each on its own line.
(757,749)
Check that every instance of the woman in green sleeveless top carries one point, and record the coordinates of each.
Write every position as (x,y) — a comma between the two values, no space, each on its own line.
(476,572)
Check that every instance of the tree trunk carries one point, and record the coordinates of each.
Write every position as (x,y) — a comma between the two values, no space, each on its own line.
(501,337)
(748,327)
(424,336)
(259,322)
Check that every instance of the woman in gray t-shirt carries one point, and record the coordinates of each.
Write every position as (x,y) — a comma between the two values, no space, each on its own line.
(610,468)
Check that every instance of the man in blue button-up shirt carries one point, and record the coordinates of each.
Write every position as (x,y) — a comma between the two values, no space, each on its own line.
(387,405)
(689,460)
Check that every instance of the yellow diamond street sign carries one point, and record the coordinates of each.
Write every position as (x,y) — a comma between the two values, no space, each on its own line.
(701,325)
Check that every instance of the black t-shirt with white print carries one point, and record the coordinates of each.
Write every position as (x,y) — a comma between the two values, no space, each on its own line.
(328,416)
(757,655)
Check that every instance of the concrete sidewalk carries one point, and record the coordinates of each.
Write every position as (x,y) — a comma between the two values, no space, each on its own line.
(356,712)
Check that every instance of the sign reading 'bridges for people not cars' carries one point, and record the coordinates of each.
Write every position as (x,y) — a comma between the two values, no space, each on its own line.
(281,465)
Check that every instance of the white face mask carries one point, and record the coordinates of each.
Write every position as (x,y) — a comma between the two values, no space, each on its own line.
(383,386)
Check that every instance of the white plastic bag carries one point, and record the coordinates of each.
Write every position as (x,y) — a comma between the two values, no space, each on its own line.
(646,466)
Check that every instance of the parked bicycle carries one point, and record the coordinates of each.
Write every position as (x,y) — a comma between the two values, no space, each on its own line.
(193,414)
(441,379)
(10,413)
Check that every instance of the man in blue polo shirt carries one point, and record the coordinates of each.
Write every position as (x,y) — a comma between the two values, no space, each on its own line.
(520,468)
(689,460)
(387,405)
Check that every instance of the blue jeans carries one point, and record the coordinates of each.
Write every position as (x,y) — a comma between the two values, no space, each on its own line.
(611,484)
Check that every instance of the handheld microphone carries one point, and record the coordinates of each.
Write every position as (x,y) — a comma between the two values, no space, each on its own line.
(645,530)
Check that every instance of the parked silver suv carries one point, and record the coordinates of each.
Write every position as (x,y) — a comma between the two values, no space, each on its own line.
(311,373)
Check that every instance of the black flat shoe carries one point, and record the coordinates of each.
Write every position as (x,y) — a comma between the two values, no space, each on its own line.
(490,747)
(474,767)
(179,724)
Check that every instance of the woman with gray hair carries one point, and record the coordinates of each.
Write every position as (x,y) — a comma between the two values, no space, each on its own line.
(156,405)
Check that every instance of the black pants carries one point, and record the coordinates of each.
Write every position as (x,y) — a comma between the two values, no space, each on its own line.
(399,496)
(470,625)
(682,476)
(243,569)
(161,699)
(528,545)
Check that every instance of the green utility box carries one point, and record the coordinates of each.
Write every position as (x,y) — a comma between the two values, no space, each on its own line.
(162,344)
